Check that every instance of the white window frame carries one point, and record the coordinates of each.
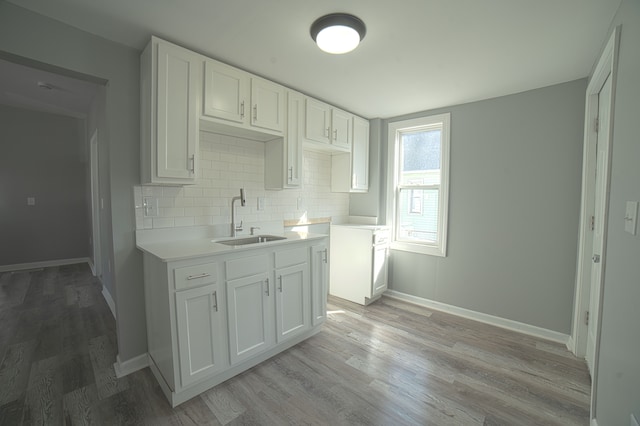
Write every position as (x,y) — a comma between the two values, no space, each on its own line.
(439,247)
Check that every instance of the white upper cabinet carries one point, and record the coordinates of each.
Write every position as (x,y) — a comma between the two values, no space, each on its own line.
(360,155)
(236,102)
(350,171)
(318,121)
(283,156)
(341,134)
(267,105)
(225,91)
(170,99)
(327,128)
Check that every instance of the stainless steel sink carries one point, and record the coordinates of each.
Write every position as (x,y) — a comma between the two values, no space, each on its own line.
(254,239)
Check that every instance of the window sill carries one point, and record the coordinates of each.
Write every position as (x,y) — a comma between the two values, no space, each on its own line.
(431,250)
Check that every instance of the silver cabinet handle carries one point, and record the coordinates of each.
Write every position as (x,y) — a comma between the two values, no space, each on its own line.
(291,173)
(255,112)
(280,284)
(267,282)
(215,301)
(328,130)
(335,135)
(242,109)
(195,277)
(192,160)
(325,256)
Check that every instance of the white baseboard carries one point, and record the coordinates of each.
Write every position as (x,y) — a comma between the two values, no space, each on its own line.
(508,324)
(571,345)
(594,422)
(110,301)
(44,264)
(130,366)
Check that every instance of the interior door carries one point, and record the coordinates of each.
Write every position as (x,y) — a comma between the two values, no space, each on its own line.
(602,170)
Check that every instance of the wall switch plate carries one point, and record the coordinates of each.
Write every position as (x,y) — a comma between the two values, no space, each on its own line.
(31,201)
(150,205)
(631,217)
(260,203)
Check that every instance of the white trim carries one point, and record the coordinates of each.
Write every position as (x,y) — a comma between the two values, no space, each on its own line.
(508,324)
(110,302)
(94,167)
(594,422)
(43,264)
(124,368)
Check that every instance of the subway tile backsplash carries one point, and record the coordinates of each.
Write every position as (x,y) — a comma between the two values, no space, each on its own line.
(228,163)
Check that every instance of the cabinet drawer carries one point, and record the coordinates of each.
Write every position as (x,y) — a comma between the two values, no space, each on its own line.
(246,266)
(291,257)
(194,276)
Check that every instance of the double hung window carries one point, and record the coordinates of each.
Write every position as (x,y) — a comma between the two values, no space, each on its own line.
(418,183)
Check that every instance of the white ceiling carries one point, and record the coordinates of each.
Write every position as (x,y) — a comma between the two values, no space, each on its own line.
(417,54)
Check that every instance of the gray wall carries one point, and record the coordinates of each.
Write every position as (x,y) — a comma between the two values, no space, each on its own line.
(514,208)
(618,384)
(35,37)
(41,157)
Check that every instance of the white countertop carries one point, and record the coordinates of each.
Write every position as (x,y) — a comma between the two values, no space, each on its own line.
(168,250)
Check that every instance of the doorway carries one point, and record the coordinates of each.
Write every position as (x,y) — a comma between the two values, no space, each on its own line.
(591,265)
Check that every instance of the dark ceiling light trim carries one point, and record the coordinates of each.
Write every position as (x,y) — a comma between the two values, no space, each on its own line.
(338,32)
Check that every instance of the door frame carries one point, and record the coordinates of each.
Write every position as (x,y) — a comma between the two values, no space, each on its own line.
(96,261)
(605,67)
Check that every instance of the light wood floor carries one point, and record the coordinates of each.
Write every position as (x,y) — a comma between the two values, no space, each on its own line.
(391,363)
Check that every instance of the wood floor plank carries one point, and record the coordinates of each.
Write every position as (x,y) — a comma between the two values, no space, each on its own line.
(43,403)
(15,370)
(102,356)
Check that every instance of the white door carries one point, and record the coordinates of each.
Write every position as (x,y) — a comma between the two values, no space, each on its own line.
(292,301)
(249,310)
(341,128)
(200,337)
(177,121)
(268,105)
(317,125)
(225,92)
(602,166)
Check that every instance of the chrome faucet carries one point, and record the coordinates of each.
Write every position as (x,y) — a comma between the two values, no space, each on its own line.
(235,228)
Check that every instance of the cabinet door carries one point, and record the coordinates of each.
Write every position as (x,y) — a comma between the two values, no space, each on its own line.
(268,105)
(317,122)
(292,301)
(177,112)
(225,92)
(201,342)
(360,155)
(341,128)
(380,270)
(293,138)
(319,283)
(249,307)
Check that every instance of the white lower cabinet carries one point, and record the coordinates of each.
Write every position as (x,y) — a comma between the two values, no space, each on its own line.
(293,301)
(201,345)
(210,318)
(319,283)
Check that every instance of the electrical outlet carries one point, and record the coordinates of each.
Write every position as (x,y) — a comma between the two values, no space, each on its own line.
(260,203)
(31,201)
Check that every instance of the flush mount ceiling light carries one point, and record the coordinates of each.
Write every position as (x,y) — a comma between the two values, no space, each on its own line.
(338,32)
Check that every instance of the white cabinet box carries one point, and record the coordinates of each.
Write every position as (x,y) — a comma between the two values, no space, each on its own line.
(212,317)
(170,98)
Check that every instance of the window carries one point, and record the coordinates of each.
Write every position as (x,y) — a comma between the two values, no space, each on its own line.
(418,194)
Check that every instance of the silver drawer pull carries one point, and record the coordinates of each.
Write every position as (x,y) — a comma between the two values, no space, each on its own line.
(195,277)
